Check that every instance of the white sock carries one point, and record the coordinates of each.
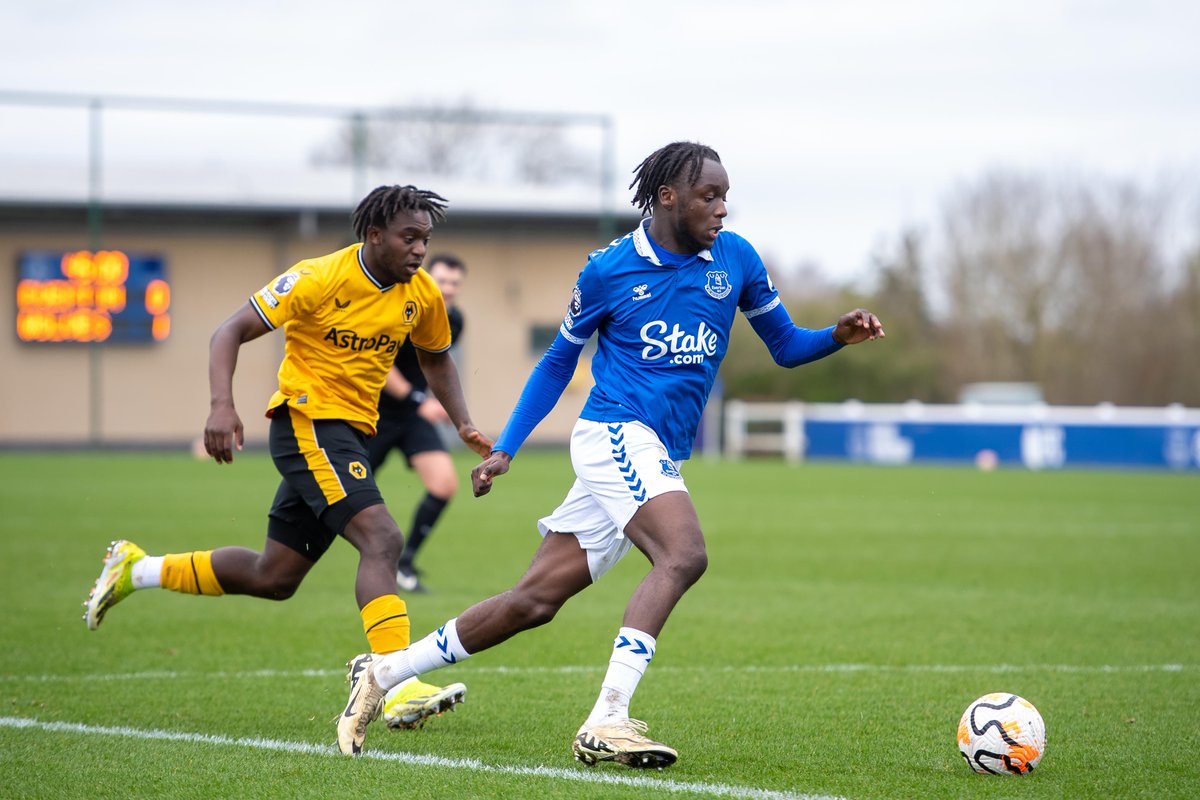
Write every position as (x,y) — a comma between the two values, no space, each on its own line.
(632,651)
(439,649)
(147,572)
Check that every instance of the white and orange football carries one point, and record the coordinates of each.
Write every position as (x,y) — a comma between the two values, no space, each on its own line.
(1002,734)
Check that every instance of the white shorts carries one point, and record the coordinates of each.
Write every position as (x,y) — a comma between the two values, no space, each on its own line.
(618,467)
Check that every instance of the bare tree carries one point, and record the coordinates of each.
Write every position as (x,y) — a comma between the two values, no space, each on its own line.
(1183,381)
(1051,282)
(1112,257)
(1002,278)
(1066,282)
(446,140)
(458,140)
(543,156)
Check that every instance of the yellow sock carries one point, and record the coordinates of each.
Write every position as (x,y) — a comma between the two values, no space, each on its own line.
(190,573)
(385,621)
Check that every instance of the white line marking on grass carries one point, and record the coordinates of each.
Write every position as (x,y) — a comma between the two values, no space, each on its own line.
(417,759)
(990,668)
(566,669)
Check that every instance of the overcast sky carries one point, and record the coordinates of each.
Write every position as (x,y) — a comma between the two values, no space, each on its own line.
(839,122)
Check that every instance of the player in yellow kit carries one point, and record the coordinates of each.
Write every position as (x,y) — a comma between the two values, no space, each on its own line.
(343,315)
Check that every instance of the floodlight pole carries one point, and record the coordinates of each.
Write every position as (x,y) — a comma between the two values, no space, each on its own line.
(608,160)
(95,224)
(358,156)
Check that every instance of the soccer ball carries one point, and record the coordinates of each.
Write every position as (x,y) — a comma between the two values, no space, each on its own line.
(1002,734)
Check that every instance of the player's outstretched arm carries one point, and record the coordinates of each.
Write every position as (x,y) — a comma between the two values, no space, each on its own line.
(481,477)
(223,430)
(543,388)
(443,379)
(857,326)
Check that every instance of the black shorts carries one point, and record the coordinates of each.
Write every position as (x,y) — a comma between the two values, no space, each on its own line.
(327,479)
(406,431)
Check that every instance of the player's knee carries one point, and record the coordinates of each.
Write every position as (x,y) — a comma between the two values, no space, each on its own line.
(383,545)
(386,543)
(281,590)
(444,486)
(272,586)
(686,567)
(376,535)
(531,610)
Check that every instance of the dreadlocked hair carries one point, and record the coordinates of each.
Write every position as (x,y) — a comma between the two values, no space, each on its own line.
(383,203)
(665,166)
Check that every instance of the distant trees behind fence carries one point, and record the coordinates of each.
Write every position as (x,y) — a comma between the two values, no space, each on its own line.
(1077,284)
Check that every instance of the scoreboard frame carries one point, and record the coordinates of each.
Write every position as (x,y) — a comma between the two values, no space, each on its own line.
(81,296)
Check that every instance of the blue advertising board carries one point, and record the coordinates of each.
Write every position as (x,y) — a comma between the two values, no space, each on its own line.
(1042,444)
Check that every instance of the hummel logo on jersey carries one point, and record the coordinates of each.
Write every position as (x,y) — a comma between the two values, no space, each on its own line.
(684,348)
(642,292)
(340,304)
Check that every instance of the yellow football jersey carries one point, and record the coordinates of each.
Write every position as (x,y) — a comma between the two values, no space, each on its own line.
(342,328)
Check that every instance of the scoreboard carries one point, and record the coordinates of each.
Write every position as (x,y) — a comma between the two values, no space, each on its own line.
(84,296)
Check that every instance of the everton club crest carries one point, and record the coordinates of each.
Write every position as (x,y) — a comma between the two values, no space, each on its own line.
(718,286)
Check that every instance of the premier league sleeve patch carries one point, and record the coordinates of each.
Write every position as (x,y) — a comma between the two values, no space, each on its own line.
(576,304)
(284,283)
(279,300)
(573,308)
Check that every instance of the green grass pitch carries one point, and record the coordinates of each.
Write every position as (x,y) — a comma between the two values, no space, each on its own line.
(848,617)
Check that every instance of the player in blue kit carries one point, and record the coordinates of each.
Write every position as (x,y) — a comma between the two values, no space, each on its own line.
(661,302)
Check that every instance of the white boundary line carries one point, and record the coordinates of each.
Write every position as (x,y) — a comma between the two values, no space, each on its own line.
(416,759)
(565,669)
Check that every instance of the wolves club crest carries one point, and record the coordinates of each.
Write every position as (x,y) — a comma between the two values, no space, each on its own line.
(718,286)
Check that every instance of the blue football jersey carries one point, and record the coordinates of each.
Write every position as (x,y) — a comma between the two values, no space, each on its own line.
(662,329)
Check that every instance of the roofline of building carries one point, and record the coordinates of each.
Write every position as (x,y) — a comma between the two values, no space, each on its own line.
(10,204)
(24,212)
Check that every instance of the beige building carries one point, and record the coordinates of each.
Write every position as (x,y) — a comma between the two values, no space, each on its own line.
(522,267)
